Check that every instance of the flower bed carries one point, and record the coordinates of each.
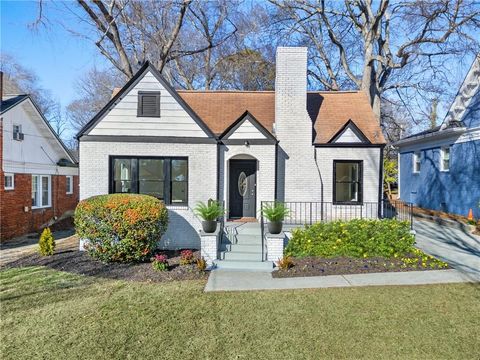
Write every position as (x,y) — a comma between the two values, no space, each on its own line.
(355,246)
(79,262)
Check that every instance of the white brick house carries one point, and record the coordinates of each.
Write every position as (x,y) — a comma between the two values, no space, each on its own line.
(240,147)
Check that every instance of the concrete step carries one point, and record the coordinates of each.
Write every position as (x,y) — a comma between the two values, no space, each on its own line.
(257,248)
(246,239)
(245,256)
(244,265)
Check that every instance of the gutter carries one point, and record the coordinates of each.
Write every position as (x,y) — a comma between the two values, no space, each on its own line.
(441,134)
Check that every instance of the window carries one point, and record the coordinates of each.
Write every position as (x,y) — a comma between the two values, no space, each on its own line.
(161,177)
(417,158)
(347,181)
(69,184)
(445,158)
(41,191)
(9,181)
(17,132)
(148,104)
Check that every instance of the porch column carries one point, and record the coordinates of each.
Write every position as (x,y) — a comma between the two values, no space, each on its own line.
(209,245)
(275,245)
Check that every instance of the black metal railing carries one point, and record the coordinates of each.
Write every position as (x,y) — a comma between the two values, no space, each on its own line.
(307,212)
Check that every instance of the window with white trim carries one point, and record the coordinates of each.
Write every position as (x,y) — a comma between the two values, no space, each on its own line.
(41,191)
(445,158)
(69,184)
(9,181)
(417,158)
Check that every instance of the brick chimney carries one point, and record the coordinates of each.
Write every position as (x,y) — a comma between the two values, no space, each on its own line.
(293,126)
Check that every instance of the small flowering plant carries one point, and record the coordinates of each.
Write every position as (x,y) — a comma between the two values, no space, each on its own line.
(186,257)
(160,262)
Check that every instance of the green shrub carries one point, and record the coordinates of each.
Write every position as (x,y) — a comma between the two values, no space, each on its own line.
(355,238)
(160,262)
(275,212)
(209,212)
(121,227)
(46,244)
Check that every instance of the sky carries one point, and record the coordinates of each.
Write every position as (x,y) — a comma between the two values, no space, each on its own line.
(58,57)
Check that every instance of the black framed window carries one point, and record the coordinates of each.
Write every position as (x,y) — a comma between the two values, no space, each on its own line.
(165,178)
(347,182)
(148,104)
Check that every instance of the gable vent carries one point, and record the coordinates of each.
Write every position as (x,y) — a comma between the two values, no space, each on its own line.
(149,104)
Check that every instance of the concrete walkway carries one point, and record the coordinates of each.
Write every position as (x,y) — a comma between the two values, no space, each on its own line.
(454,246)
(223,280)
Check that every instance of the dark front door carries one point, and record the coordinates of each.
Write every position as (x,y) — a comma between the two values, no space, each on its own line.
(243,188)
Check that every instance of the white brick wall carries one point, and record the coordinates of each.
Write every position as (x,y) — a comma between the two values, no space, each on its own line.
(265,155)
(202,168)
(209,246)
(275,246)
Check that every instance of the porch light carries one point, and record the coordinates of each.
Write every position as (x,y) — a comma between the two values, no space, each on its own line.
(247,143)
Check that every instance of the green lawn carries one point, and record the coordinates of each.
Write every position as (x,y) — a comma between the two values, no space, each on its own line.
(50,314)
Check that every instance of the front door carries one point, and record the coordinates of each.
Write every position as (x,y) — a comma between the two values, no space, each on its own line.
(243,188)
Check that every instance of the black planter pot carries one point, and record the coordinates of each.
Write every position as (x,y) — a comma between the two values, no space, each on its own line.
(209,226)
(275,227)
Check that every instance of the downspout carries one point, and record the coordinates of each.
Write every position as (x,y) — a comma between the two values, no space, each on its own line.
(276,172)
(380,184)
(321,181)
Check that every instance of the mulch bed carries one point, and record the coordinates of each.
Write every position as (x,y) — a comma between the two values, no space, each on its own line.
(79,262)
(316,266)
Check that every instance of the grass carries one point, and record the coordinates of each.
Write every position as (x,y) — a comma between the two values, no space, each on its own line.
(51,314)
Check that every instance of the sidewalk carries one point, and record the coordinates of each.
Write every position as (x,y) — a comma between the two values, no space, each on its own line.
(222,280)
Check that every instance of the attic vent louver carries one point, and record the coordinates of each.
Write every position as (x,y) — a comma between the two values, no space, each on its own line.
(148,104)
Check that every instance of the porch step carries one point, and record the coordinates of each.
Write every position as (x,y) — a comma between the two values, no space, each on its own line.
(245,256)
(244,265)
(242,247)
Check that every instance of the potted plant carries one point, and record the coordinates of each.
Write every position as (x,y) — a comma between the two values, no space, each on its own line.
(209,212)
(275,214)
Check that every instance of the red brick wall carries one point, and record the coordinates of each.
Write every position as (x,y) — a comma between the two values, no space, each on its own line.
(14,221)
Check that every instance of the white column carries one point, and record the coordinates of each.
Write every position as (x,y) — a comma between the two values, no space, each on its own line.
(275,245)
(209,245)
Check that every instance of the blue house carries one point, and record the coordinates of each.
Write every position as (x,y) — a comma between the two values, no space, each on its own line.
(439,168)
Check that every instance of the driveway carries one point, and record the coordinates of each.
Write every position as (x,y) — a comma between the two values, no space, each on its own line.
(458,248)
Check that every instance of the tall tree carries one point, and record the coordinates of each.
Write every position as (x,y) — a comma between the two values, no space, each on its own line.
(379,46)
(20,80)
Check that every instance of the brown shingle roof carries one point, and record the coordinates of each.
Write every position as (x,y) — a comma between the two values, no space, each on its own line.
(329,111)
(219,109)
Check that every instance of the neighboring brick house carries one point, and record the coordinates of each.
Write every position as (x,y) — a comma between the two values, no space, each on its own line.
(240,147)
(439,168)
(38,175)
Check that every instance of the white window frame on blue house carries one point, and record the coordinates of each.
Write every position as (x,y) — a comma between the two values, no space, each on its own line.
(444,158)
(417,161)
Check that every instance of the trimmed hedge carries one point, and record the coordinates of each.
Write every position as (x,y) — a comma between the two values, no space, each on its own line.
(354,238)
(121,227)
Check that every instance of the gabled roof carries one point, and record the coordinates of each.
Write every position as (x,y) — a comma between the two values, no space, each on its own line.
(331,111)
(247,116)
(15,101)
(220,109)
(129,85)
(350,124)
(11,102)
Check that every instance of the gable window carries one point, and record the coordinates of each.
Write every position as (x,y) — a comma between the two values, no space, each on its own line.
(17,132)
(165,178)
(69,185)
(148,104)
(347,181)
(41,191)
(9,181)
(445,158)
(417,158)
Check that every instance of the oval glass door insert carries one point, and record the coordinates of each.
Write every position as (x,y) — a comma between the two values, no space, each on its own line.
(242,184)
